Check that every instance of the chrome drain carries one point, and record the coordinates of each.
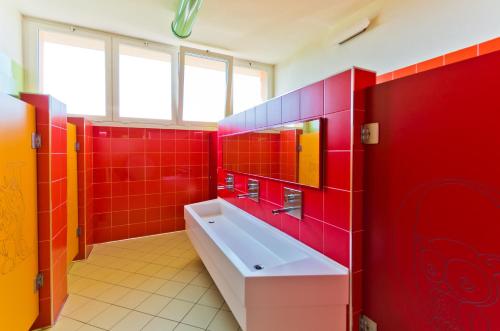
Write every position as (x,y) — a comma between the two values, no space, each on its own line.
(258,267)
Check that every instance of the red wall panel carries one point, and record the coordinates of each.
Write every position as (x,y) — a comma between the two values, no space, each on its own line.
(431,213)
(144,177)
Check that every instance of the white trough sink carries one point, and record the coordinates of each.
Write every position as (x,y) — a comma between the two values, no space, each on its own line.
(296,289)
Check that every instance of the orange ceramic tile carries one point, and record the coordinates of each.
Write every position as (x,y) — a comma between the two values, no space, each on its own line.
(489,46)
(460,55)
(430,64)
(406,71)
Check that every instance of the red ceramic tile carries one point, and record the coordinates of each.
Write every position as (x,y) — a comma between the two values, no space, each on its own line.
(290,107)
(120,189)
(357,290)
(137,201)
(139,133)
(119,203)
(312,100)
(357,251)
(430,64)
(153,134)
(102,220)
(461,55)
(337,246)
(338,169)
(313,202)
(119,160)
(119,218)
(385,77)
(311,233)
(338,92)
(406,71)
(290,225)
(137,230)
(489,46)
(102,205)
(338,131)
(337,208)
(120,232)
(119,132)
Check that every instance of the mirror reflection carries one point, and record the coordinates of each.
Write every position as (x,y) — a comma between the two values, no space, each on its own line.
(290,152)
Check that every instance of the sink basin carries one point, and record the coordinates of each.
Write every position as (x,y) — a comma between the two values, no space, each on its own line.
(270,280)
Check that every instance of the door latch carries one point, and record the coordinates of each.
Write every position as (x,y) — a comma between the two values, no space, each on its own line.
(36,140)
(39,281)
(370,133)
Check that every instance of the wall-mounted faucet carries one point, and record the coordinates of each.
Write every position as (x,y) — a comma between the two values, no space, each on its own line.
(293,203)
(229,180)
(253,190)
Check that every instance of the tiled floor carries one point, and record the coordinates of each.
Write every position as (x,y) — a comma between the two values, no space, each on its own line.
(154,283)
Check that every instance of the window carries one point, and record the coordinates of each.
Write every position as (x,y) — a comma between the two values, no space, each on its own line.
(145,83)
(73,69)
(250,87)
(205,79)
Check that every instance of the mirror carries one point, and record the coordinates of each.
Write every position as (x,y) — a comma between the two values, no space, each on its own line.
(290,152)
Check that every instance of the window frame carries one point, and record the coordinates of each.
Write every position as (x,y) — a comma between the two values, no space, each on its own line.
(229,82)
(269,69)
(172,51)
(32,28)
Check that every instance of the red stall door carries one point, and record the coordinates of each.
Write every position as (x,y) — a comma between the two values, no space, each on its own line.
(432,204)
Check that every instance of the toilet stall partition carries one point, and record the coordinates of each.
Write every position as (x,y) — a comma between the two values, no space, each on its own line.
(432,205)
(52,215)
(85,185)
(332,214)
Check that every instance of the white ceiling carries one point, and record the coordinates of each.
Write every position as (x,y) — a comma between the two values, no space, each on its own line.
(269,31)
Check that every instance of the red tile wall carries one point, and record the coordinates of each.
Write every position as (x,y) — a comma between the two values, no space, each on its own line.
(332,214)
(85,185)
(452,57)
(52,215)
(144,177)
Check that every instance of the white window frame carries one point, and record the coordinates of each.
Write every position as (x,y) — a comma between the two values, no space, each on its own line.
(229,82)
(269,69)
(172,51)
(31,30)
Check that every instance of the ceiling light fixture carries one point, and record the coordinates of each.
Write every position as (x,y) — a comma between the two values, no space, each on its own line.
(182,24)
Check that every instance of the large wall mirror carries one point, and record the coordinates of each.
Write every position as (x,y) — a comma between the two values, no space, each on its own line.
(291,152)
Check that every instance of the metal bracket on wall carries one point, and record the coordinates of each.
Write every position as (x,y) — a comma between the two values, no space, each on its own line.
(36,140)
(370,133)
(39,281)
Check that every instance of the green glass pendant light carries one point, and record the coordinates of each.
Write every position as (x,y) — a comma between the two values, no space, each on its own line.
(184,18)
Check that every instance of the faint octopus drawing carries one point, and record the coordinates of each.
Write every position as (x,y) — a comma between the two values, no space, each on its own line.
(13,245)
(458,286)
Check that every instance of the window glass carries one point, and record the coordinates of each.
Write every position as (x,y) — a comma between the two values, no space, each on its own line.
(249,88)
(205,89)
(145,83)
(73,70)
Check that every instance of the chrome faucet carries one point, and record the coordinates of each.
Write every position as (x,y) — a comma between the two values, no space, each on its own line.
(293,203)
(253,190)
(229,183)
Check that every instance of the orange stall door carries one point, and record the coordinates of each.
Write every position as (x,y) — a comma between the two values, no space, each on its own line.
(18,216)
(72,203)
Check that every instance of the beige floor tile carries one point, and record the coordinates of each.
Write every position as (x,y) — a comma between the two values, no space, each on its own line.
(191,293)
(117,276)
(66,324)
(203,279)
(223,321)
(134,266)
(113,294)
(225,307)
(171,289)
(150,269)
(73,302)
(176,310)
(185,327)
(195,265)
(89,328)
(179,262)
(185,276)
(153,305)
(109,317)
(160,324)
(95,290)
(163,259)
(88,311)
(134,321)
(133,281)
(151,285)
(133,299)
(167,272)
(200,316)
(212,298)
(80,284)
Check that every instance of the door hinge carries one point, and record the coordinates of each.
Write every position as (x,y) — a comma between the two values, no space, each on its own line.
(78,231)
(77,146)
(299,148)
(39,281)
(36,140)
(370,133)
(366,324)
